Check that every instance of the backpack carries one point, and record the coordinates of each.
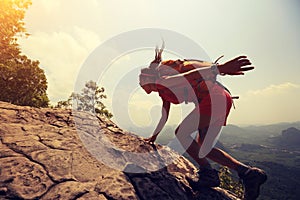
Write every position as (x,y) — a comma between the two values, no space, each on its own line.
(192,92)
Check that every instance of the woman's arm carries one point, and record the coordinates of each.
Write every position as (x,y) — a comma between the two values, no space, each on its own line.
(236,66)
(164,117)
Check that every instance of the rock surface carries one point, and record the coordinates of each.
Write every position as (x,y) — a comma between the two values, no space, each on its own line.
(59,154)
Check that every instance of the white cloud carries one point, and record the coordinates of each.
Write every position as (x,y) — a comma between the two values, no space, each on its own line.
(61,55)
(275,89)
(86,38)
(275,103)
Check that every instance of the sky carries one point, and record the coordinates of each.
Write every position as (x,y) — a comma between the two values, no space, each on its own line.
(66,35)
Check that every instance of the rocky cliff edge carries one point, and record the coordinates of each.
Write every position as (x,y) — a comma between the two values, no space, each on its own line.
(56,154)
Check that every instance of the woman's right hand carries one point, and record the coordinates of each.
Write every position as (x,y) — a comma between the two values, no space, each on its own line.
(236,66)
(151,139)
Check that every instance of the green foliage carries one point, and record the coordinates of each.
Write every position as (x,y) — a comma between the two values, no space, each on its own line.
(88,100)
(22,82)
(228,183)
(12,26)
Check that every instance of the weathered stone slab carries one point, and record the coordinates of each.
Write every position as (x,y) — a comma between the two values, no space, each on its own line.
(23,178)
(60,154)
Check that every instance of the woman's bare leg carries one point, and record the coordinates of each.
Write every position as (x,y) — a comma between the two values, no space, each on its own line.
(184,131)
(220,156)
(223,158)
(188,126)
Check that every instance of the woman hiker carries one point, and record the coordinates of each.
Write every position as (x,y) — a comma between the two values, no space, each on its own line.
(212,105)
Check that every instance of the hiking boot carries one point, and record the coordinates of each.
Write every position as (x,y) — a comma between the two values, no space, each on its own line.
(252,179)
(208,177)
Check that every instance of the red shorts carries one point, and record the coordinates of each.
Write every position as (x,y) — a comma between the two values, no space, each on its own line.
(216,104)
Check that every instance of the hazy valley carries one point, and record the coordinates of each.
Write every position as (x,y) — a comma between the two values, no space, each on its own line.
(275,148)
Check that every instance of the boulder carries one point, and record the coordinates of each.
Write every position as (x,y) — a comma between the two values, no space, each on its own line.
(60,154)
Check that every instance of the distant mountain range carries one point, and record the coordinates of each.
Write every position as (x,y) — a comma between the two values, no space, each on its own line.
(274,148)
(291,136)
(241,134)
(274,134)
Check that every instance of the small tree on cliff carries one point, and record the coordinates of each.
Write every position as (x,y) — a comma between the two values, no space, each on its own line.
(90,100)
(22,82)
